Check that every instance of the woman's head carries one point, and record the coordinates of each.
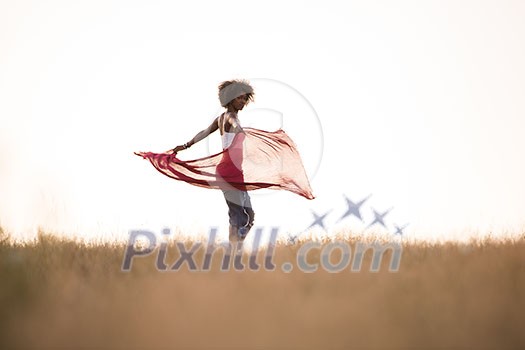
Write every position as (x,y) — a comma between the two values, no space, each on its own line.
(232,89)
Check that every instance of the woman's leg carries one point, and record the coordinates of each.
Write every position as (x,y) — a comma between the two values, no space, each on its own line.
(234,234)
(249,215)
(240,213)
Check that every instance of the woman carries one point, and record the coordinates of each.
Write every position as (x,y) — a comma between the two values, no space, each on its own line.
(233,95)
(251,159)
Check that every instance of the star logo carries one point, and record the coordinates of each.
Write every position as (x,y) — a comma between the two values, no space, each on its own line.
(353,208)
(379,218)
(318,219)
(292,240)
(399,230)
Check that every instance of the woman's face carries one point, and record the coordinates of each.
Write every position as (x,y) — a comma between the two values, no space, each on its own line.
(239,102)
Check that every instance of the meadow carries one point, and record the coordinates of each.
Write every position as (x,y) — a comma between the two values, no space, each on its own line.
(57,293)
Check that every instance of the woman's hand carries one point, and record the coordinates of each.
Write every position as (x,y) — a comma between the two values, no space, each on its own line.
(176,149)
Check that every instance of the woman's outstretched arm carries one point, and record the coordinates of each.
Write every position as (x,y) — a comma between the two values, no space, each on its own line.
(200,135)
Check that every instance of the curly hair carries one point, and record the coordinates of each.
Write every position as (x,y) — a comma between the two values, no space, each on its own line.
(230,89)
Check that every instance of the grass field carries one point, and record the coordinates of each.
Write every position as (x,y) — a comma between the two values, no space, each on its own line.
(56,293)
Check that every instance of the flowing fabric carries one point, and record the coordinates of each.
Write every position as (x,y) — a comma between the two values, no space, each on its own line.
(256,159)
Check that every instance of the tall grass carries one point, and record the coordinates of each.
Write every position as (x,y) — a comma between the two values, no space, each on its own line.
(56,293)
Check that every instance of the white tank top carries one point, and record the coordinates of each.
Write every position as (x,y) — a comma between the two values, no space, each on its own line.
(226,137)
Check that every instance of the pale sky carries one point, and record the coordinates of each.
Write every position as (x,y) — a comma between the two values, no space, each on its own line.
(419,103)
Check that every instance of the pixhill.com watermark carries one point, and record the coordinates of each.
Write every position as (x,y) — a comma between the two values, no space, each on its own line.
(334,256)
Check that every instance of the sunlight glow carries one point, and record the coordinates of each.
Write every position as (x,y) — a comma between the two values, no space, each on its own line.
(419,104)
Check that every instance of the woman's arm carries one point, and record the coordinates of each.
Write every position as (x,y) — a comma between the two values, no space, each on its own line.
(200,135)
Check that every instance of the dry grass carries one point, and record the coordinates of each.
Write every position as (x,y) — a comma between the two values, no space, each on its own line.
(60,294)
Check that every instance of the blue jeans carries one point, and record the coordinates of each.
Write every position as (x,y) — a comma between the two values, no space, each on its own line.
(239,208)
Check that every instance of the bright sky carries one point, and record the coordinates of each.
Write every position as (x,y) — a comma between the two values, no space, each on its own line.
(419,103)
